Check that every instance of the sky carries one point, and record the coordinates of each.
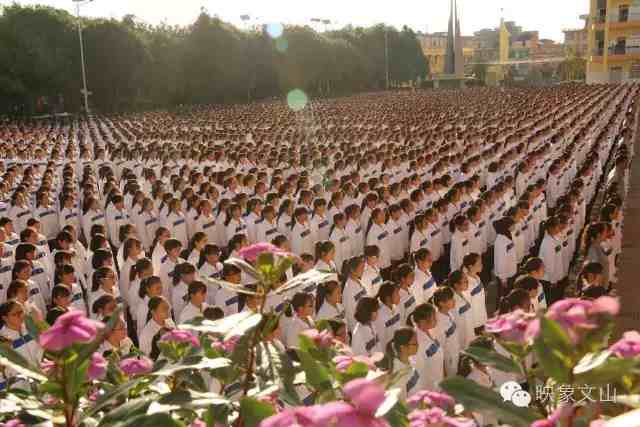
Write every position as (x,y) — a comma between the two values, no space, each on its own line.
(549,17)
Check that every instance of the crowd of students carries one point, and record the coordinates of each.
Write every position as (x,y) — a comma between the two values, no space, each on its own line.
(417,202)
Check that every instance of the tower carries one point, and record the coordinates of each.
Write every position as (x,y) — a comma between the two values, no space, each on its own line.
(454,58)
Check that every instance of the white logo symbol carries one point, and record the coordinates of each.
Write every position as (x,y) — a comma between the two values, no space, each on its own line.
(512,392)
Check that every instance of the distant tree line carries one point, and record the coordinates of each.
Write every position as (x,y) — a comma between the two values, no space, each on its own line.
(131,64)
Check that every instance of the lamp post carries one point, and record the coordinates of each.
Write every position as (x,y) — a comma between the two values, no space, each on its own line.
(85,91)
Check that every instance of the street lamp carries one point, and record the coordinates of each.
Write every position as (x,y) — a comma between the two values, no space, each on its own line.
(85,91)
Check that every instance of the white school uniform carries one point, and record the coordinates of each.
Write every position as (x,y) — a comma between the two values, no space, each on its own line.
(505,262)
(355,231)
(48,218)
(423,286)
(408,381)
(177,226)
(551,255)
(459,249)
(69,217)
(419,239)
(228,301)
(91,218)
(115,219)
(178,295)
(396,241)
(266,231)
(341,244)
(365,341)
(406,306)
(190,312)
(207,225)
(210,271)
(303,239)
(389,319)
(353,291)
(463,316)
(166,273)
(322,225)
(146,227)
(148,332)
(379,236)
(429,362)
(24,344)
(478,301)
(447,334)
(434,243)
(328,311)
(142,310)
(252,220)
(292,328)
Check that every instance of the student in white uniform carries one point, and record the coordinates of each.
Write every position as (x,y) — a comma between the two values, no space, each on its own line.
(149,287)
(324,254)
(504,255)
(168,264)
(302,306)
(159,319)
(147,223)
(354,230)
(197,296)
(329,301)
(303,233)
(320,219)
(405,277)
(424,284)
(267,229)
(402,348)
(116,216)
(184,275)
(12,314)
(420,235)
(66,276)
(19,291)
(462,313)
(389,316)
(590,277)
(459,242)
(227,300)
(194,252)
(22,271)
(340,239)
(354,289)
(104,282)
(535,268)
(447,329)
(365,341)
(176,222)
(472,268)
(430,356)
(253,218)
(92,215)
(378,235)
(551,251)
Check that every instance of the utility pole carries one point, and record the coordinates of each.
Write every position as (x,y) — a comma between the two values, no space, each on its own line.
(85,91)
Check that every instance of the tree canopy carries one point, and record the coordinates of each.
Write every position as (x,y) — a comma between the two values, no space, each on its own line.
(131,64)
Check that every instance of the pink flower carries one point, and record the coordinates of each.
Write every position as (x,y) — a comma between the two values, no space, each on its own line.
(576,315)
(606,305)
(516,326)
(437,416)
(432,398)
(628,345)
(97,366)
(343,362)
(304,416)
(70,328)
(180,336)
(554,418)
(136,366)
(198,423)
(227,345)
(47,366)
(14,423)
(250,253)
(322,339)
(598,423)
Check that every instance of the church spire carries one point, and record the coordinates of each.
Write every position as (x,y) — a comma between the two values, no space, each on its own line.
(450,57)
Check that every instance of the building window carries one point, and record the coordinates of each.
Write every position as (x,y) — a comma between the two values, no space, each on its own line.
(623,13)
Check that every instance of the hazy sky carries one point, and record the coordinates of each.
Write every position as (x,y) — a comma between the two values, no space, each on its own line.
(547,16)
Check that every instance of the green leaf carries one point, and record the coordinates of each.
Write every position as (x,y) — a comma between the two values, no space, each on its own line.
(552,362)
(192,399)
(112,396)
(12,359)
(474,397)
(244,325)
(265,262)
(131,408)
(391,398)
(317,375)
(398,415)
(554,336)
(32,327)
(205,363)
(611,370)
(154,420)
(253,411)
(53,388)
(591,361)
(355,370)
(220,327)
(493,359)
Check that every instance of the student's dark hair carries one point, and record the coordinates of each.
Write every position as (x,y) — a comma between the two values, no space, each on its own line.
(336,325)
(594,292)
(470,260)
(322,248)
(441,295)
(454,278)
(101,303)
(371,250)
(420,313)
(14,287)
(156,238)
(592,231)
(181,270)
(420,255)
(402,271)
(349,267)
(100,257)
(213,313)
(19,266)
(154,303)
(515,299)
(466,362)
(97,242)
(5,309)
(23,249)
(228,270)
(171,244)
(60,291)
(146,283)
(532,264)
(365,308)
(196,287)
(98,276)
(155,348)
(325,289)
(401,337)
(62,270)
(386,291)
(527,283)
(209,249)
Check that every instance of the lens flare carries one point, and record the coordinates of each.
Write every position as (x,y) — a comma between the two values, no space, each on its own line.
(274,30)
(297,99)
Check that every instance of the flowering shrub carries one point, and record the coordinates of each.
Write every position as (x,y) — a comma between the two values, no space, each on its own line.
(229,373)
